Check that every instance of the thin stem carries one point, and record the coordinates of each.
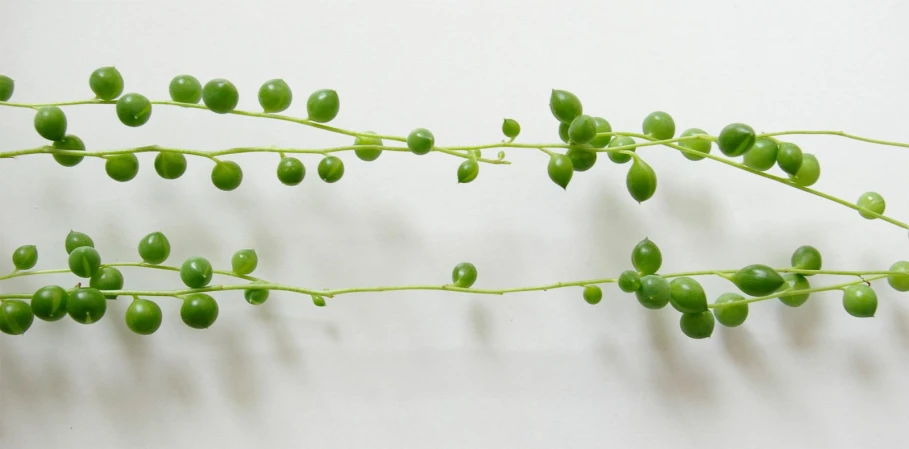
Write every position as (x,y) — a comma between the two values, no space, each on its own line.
(837,133)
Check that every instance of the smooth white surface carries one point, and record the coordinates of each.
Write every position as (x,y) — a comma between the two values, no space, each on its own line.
(436,370)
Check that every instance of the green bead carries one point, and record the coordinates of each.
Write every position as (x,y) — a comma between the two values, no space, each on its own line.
(170,165)
(468,171)
(700,145)
(789,157)
(106,83)
(7,86)
(860,301)
(763,155)
(735,139)
(291,171)
(583,129)
(565,106)
(199,311)
(563,132)
(318,301)
(133,110)
(659,125)
(49,303)
(654,292)
(593,294)
(560,169)
(464,275)
(331,169)
(226,175)
(185,89)
(420,141)
(806,258)
(196,272)
(646,257)
(600,141)
(220,96)
(620,141)
(731,315)
(244,261)
(15,316)
(143,316)
(697,325)
(794,282)
(50,122)
(581,158)
(86,305)
(275,96)
(687,295)
(154,248)
(323,105)
(77,239)
(69,142)
(641,180)
(122,167)
(899,282)
(84,261)
(511,128)
(873,202)
(25,257)
(757,280)
(366,154)
(107,278)
(808,173)
(629,281)
(255,296)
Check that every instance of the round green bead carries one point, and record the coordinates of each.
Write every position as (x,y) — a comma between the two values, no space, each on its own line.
(873,202)
(25,257)
(687,295)
(565,106)
(15,316)
(196,272)
(291,171)
(464,275)
(807,258)
(659,125)
(199,311)
(154,248)
(49,303)
(808,173)
(122,167)
(697,325)
(629,281)
(731,315)
(620,141)
(170,165)
(899,282)
(185,89)
(702,146)
(226,175)
(86,305)
(323,105)
(563,132)
(143,316)
(601,140)
(134,110)
(420,141)
(107,278)
(641,180)
(69,142)
(7,86)
(511,128)
(367,154)
(244,261)
(646,257)
(468,171)
(560,169)
(794,282)
(84,261)
(331,169)
(255,296)
(860,301)
(220,96)
(593,294)
(654,293)
(763,155)
(50,122)
(736,139)
(77,239)
(106,83)
(583,129)
(757,280)
(275,96)
(789,157)
(581,158)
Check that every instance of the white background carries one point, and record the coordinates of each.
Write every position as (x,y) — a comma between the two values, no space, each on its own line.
(444,370)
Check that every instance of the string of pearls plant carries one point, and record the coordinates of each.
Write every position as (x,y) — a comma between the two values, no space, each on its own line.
(583,138)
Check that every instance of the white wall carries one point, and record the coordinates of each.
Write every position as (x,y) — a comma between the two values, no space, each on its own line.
(437,370)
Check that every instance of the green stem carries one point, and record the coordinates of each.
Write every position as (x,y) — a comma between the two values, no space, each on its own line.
(836,133)
(797,292)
